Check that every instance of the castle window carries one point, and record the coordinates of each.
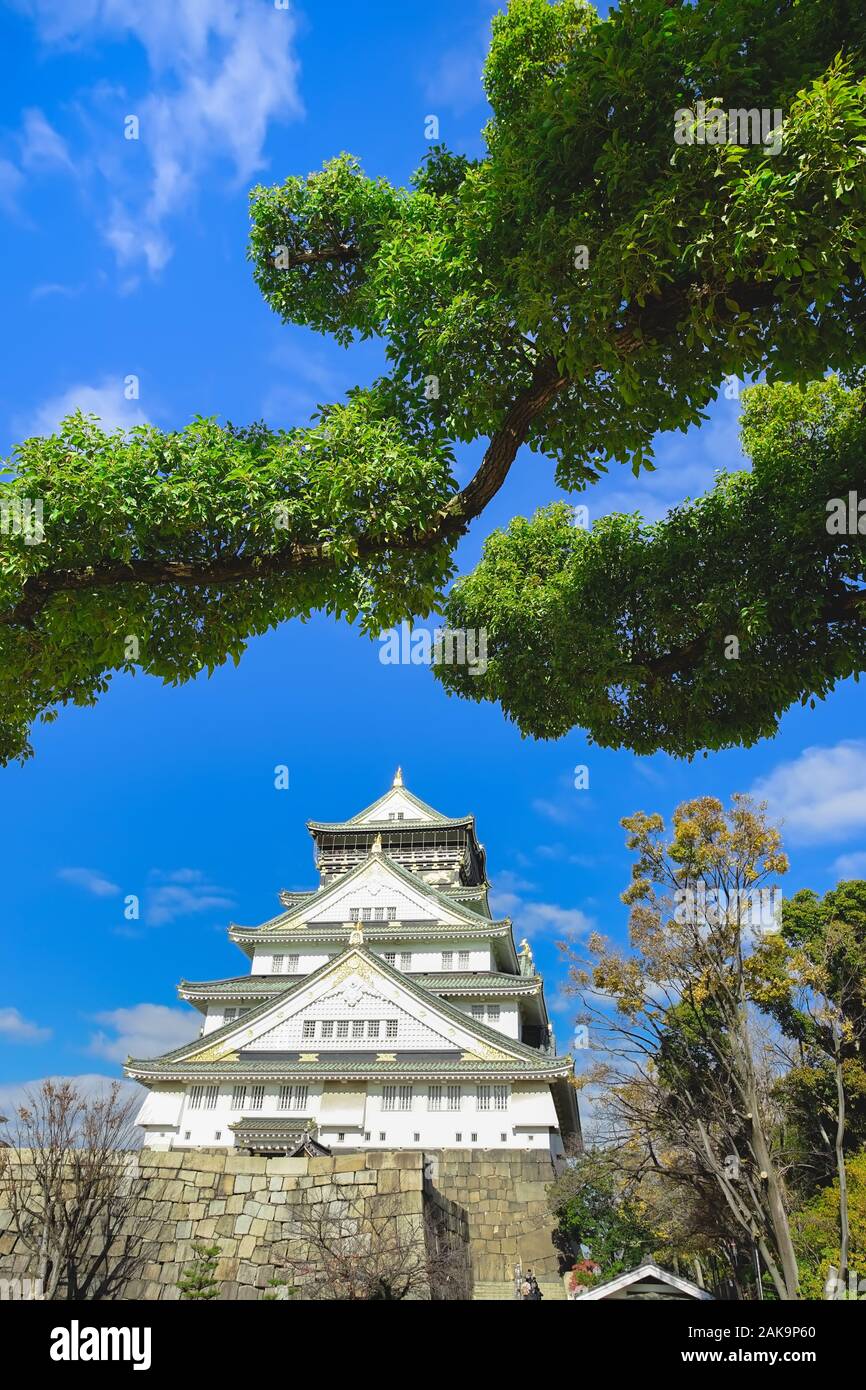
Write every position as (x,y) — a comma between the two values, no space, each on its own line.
(478,1011)
(309,1028)
(390,957)
(358,1028)
(458,1137)
(493,1013)
(218,1134)
(389,1097)
(391,1028)
(381,1136)
(416,1138)
(482,1097)
(500,1097)
(230,1015)
(257,1098)
(239,1097)
(196,1096)
(341,1137)
(434,1098)
(405,960)
(379,914)
(463,960)
(285,1100)
(392,914)
(503,1138)
(292,963)
(277,965)
(405,1098)
(447,960)
(342,1028)
(454,1097)
(328,1028)
(473,1138)
(372,1027)
(366,1136)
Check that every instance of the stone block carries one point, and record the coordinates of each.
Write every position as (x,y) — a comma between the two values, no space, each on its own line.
(321,1165)
(297,1167)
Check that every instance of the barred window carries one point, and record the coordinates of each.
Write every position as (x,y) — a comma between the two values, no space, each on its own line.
(379,914)
(196,1096)
(367,914)
(463,960)
(405,960)
(478,1011)
(257,1097)
(391,1028)
(454,1097)
(500,1097)
(482,1097)
(493,1013)
(434,1098)
(372,1027)
(230,1015)
(292,963)
(342,1028)
(389,1097)
(392,914)
(309,1028)
(405,1098)
(210,1097)
(390,957)
(328,1028)
(292,1097)
(239,1097)
(277,964)
(358,1028)
(447,960)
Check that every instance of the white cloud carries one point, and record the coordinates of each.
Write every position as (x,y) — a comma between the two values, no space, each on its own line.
(106,401)
(91,880)
(89,1084)
(552,810)
(220,72)
(41,145)
(851,865)
(17,1029)
(821,795)
(182,893)
(11,184)
(145,1030)
(455,79)
(536,918)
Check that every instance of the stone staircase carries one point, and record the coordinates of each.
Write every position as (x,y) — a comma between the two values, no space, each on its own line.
(488,1291)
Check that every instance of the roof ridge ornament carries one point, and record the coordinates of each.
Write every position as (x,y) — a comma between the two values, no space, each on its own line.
(356,936)
(398,778)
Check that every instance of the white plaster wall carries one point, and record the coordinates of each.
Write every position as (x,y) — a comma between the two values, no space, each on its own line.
(508,1022)
(309,959)
(528,1122)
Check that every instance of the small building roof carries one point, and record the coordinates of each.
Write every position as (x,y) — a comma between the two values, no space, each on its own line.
(648,1281)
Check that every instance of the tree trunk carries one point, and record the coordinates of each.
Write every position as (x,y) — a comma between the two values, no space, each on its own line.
(844,1231)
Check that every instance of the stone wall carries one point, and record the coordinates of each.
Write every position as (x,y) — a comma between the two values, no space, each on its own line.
(504,1196)
(486,1209)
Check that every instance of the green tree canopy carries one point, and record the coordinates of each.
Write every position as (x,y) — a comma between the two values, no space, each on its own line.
(586,284)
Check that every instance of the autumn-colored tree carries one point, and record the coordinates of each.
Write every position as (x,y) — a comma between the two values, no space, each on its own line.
(671,1016)
(586,284)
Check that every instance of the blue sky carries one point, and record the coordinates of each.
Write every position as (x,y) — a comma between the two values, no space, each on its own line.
(128,258)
